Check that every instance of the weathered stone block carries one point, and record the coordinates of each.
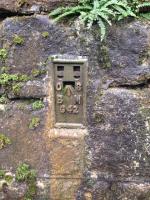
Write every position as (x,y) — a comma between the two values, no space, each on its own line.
(31,89)
(121,140)
(67,157)
(118,191)
(132,190)
(64,189)
(27,145)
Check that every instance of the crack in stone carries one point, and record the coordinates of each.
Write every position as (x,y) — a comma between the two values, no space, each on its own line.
(4,13)
(141,85)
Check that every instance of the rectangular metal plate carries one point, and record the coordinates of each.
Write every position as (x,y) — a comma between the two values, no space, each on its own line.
(70,93)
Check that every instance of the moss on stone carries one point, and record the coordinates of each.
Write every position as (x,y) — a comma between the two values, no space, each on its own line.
(37,72)
(9,79)
(2,173)
(31,190)
(144,57)
(145,112)
(35,122)
(4,69)
(4,141)
(20,3)
(23,78)
(6,78)
(27,175)
(8,178)
(3,54)
(24,174)
(37,105)
(99,117)
(105,57)
(3,99)
(16,88)
(18,40)
(21,106)
(45,34)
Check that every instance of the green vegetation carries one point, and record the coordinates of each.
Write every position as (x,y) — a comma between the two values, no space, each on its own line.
(4,141)
(3,99)
(13,82)
(18,40)
(37,72)
(2,174)
(6,78)
(35,122)
(20,3)
(23,77)
(105,57)
(8,178)
(100,12)
(146,5)
(145,15)
(141,5)
(16,88)
(37,105)
(27,175)
(45,34)
(5,176)
(23,174)
(3,54)
(4,69)
(21,106)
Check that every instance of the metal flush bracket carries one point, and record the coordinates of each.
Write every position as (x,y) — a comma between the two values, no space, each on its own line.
(69,86)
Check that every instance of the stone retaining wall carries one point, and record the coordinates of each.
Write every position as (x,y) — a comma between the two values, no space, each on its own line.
(109,159)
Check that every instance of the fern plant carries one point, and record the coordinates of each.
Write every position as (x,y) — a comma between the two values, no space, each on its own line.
(100,12)
(144,10)
(136,5)
(144,4)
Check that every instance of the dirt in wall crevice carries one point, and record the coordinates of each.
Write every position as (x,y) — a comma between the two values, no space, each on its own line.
(142,85)
(7,13)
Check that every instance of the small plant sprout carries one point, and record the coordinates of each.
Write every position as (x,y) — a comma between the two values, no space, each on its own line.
(27,175)
(37,105)
(18,40)
(45,34)
(3,99)
(3,54)
(35,122)
(4,141)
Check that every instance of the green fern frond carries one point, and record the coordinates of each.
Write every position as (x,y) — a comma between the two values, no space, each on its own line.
(107,11)
(102,28)
(145,15)
(57,11)
(110,3)
(105,17)
(69,11)
(120,10)
(100,12)
(96,4)
(131,13)
(145,4)
(65,14)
